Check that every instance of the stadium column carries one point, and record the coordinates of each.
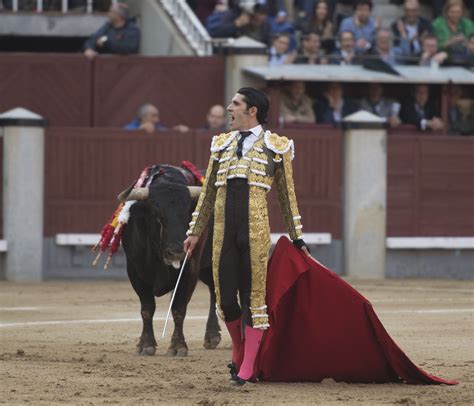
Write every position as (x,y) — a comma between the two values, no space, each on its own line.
(365,195)
(240,54)
(23,193)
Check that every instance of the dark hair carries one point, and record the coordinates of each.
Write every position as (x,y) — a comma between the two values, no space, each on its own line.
(345,32)
(307,34)
(258,99)
(260,9)
(428,35)
(281,34)
(363,3)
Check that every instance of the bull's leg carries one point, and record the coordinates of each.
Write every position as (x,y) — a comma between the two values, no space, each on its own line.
(147,343)
(178,344)
(186,288)
(212,337)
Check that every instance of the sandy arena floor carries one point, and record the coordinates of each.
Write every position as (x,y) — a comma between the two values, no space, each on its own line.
(73,343)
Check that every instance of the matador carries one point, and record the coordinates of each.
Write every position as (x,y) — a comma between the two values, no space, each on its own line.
(243,166)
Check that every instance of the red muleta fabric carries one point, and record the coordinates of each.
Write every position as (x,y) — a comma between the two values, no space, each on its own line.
(321,327)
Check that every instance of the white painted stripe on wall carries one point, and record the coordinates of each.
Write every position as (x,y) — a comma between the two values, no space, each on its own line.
(3,246)
(310,238)
(430,242)
(92,239)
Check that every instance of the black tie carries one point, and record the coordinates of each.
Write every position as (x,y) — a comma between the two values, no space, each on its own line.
(240,142)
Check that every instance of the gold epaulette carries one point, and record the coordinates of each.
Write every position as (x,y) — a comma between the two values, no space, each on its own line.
(221,141)
(278,144)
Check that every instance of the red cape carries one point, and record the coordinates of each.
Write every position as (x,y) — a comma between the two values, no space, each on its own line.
(321,327)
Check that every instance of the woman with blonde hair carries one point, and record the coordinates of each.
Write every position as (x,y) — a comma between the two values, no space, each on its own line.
(452,29)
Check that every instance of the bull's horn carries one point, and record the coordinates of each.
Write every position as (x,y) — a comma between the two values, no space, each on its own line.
(123,195)
(140,193)
(194,191)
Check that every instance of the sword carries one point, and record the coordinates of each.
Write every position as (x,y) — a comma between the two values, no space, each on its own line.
(174,294)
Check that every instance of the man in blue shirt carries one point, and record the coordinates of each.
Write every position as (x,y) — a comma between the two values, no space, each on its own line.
(148,119)
(120,35)
(361,24)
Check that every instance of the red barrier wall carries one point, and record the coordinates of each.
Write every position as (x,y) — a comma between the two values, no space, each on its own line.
(183,88)
(70,90)
(86,168)
(57,87)
(430,186)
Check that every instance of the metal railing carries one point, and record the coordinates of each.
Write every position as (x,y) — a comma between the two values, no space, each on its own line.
(189,25)
(64,6)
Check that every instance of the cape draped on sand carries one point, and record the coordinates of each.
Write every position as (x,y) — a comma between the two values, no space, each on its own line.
(321,327)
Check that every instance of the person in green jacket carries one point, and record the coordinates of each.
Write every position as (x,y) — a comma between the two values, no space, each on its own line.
(452,29)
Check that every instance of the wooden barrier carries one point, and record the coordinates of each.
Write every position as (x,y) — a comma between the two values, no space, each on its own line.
(183,88)
(430,188)
(69,90)
(58,88)
(430,185)
(86,168)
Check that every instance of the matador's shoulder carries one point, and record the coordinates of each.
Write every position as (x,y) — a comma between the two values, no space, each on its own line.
(278,143)
(221,141)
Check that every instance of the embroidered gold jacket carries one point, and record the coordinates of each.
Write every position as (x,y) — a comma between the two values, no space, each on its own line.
(268,160)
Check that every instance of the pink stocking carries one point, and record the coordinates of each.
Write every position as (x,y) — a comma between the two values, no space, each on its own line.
(253,338)
(235,331)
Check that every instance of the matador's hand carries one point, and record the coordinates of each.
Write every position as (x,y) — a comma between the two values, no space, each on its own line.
(189,244)
(305,250)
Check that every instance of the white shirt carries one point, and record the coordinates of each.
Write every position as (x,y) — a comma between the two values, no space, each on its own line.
(251,139)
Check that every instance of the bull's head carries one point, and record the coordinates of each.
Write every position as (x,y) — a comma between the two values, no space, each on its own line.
(171,207)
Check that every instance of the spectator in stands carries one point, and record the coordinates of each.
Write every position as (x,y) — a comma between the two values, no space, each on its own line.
(307,8)
(280,25)
(296,106)
(202,8)
(279,52)
(120,35)
(227,23)
(321,24)
(234,23)
(460,122)
(429,53)
(383,107)
(469,60)
(216,119)
(411,27)
(333,107)
(421,111)
(385,50)
(345,54)
(148,119)
(259,26)
(361,24)
(310,52)
(452,29)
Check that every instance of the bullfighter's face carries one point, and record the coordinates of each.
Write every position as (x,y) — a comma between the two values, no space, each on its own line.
(241,117)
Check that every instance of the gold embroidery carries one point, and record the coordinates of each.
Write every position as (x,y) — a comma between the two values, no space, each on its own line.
(260,244)
(205,204)
(287,197)
(277,143)
(218,240)
(221,141)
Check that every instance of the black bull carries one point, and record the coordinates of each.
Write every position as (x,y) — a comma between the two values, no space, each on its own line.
(153,243)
